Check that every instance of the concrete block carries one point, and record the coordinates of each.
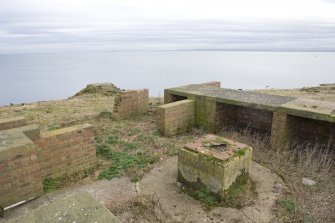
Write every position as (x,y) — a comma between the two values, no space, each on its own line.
(213,162)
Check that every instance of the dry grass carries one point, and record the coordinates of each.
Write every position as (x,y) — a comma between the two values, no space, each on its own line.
(301,203)
(142,209)
(55,114)
(324,92)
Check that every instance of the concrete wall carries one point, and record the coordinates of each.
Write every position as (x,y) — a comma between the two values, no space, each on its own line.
(133,103)
(28,156)
(175,118)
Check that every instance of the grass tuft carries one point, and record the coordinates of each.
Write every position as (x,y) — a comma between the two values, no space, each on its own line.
(122,161)
(50,184)
(205,196)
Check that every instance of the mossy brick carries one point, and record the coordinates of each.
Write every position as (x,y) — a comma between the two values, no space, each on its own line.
(9,123)
(258,112)
(66,151)
(215,166)
(133,103)
(175,118)
(19,169)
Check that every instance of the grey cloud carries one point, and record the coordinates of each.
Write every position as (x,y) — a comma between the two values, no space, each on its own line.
(59,33)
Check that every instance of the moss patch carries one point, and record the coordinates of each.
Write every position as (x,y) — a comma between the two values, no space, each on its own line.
(50,184)
(240,194)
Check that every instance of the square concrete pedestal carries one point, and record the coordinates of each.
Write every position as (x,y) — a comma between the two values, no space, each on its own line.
(213,162)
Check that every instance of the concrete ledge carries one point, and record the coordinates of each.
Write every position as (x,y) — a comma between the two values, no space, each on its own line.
(62,131)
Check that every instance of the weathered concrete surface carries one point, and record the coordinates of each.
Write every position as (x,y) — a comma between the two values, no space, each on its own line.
(218,108)
(178,206)
(235,97)
(78,207)
(213,162)
(309,108)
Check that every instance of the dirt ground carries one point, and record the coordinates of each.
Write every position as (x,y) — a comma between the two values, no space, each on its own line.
(171,204)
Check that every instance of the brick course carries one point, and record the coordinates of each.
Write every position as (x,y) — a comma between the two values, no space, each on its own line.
(256,120)
(28,156)
(20,176)
(66,151)
(279,128)
(175,118)
(133,103)
(309,131)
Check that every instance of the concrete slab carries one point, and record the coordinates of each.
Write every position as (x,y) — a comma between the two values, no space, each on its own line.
(79,207)
(234,97)
(309,108)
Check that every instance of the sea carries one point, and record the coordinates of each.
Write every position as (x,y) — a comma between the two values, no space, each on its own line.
(28,78)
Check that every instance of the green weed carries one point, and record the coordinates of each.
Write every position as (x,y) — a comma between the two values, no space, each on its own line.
(130,145)
(122,161)
(205,196)
(50,184)
(134,131)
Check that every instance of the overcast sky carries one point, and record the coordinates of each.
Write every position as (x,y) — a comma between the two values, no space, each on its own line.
(89,25)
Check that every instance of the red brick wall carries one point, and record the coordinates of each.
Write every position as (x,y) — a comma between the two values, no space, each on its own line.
(243,117)
(279,128)
(175,118)
(133,103)
(310,130)
(10,123)
(66,151)
(20,176)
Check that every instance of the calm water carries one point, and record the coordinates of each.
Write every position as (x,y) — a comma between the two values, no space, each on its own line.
(36,77)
